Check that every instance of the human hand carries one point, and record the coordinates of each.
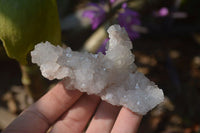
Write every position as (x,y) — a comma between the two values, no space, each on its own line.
(70,111)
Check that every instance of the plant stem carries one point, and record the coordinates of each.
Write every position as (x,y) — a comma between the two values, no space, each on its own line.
(33,82)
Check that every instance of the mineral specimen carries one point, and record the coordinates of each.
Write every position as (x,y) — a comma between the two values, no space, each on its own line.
(114,76)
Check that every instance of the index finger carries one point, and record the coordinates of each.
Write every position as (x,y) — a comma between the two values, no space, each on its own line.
(39,116)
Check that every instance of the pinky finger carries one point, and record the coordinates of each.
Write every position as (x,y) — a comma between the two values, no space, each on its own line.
(127,122)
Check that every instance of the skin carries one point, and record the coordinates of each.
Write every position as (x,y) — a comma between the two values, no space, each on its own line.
(71,111)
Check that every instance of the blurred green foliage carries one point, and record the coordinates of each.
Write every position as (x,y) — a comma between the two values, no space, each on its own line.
(27,22)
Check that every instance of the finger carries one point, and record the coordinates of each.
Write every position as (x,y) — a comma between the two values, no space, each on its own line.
(76,119)
(127,122)
(104,118)
(39,116)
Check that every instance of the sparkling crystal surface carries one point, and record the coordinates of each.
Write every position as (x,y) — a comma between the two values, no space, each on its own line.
(114,76)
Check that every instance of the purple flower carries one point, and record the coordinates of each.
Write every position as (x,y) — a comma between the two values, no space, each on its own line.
(102,48)
(112,1)
(96,15)
(163,12)
(129,19)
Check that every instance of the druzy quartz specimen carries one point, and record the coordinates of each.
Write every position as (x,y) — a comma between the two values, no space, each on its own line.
(113,76)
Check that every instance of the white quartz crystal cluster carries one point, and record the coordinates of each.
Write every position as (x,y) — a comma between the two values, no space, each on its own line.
(112,76)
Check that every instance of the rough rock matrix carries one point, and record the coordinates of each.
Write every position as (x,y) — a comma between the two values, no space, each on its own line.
(112,76)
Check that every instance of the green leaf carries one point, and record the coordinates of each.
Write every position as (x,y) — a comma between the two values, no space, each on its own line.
(24,23)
